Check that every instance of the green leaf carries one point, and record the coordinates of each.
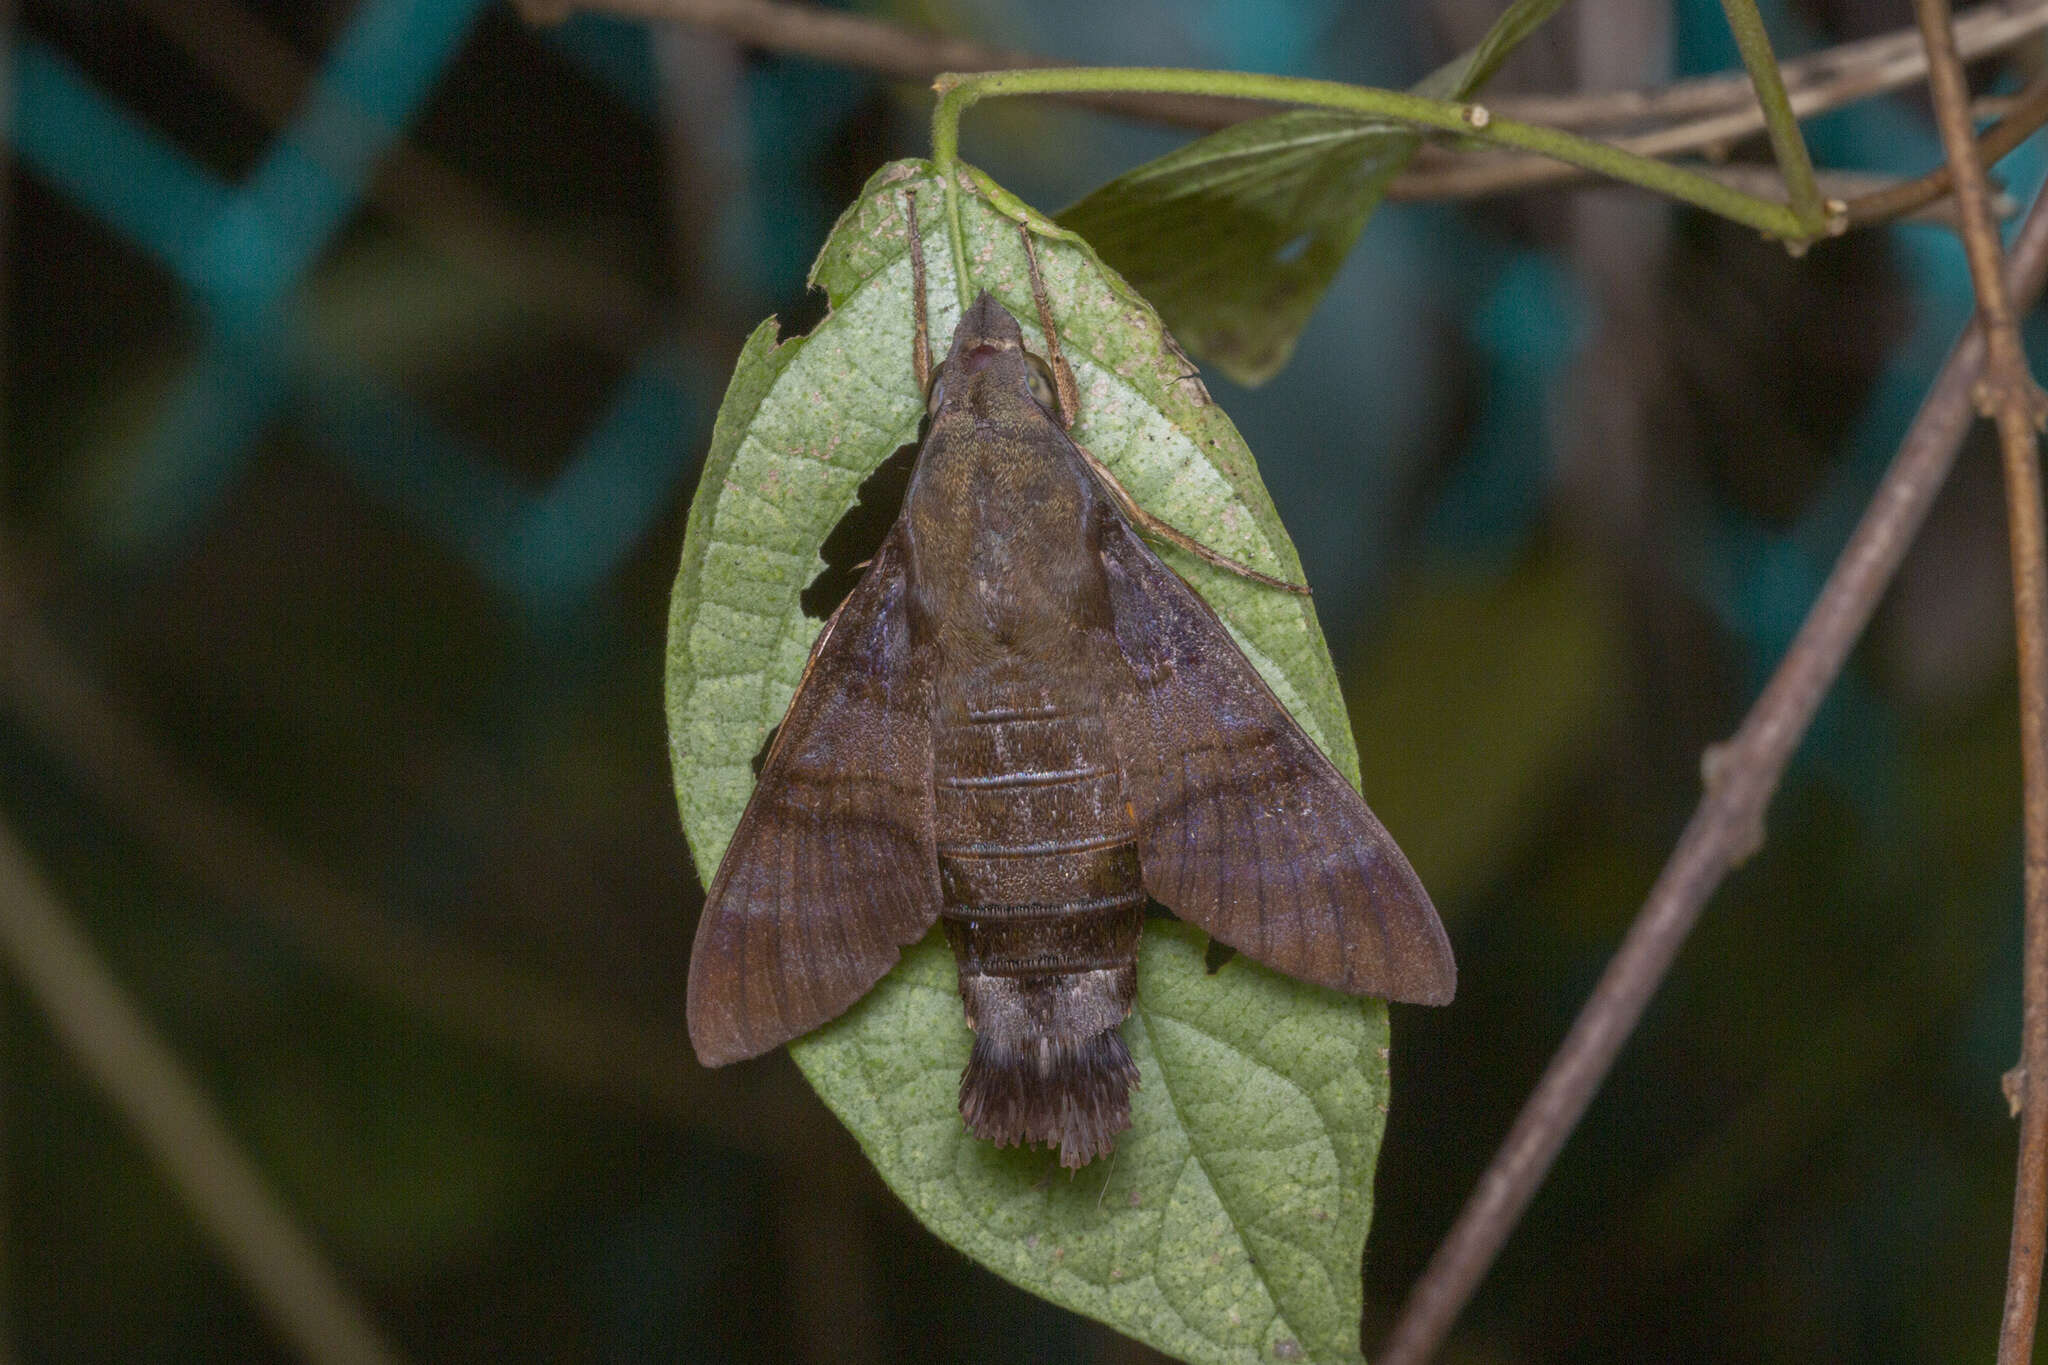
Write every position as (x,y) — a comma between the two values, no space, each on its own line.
(1230,1223)
(1236,236)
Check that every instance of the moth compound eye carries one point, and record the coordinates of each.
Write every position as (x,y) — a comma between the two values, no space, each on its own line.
(1042,386)
(936,394)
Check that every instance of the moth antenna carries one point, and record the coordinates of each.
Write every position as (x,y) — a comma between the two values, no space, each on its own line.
(1173,535)
(1062,373)
(921,341)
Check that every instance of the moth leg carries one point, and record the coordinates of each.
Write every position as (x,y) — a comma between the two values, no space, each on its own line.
(921,342)
(1172,535)
(1062,373)
(1070,400)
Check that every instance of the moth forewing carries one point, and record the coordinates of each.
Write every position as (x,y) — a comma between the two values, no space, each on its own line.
(830,873)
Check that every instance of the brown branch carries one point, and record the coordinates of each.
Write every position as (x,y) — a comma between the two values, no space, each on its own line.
(2008,395)
(1852,187)
(1441,175)
(1725,828)
(1820,84)
(834,37)
(2025,113)
(837,38)
(173,1119)
(1838,75)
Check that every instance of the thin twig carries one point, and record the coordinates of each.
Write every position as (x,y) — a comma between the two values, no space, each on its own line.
(1814,87)
(2008,395)
(1725,828)
(1783,125)
(2025,113)
(1707,112)
(1869,199)
(1836,75)
(1853,187)
(171,1117)
(833,37)
(1847,72)
(837,38)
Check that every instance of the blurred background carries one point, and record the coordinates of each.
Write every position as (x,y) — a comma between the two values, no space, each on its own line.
(359,355)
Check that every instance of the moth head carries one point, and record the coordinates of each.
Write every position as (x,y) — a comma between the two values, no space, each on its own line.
(988,371)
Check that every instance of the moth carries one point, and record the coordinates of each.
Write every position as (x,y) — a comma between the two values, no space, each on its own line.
(1021,724)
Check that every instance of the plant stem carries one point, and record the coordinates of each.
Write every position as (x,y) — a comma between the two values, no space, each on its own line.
(2007,393)
(1741,776)
(1786,142)
(1704,111)
(2028,112)
(1849,71)
(956,236)
(958,92)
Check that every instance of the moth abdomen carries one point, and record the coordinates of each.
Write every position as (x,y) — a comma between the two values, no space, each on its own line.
(1045,987)
(1033,941)
(1043,901)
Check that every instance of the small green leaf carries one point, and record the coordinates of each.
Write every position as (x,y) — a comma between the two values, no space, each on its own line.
(1236,236)
(1230,1222)
(1462,76)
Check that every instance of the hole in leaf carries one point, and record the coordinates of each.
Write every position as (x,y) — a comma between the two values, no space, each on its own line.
(800,317)
(1215,955)
(761,754)
(858,535)
(1293,249)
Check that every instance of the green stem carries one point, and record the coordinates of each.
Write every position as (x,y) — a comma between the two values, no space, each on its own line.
(945,159)
(956,236)
(1786,142)
(958,92)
